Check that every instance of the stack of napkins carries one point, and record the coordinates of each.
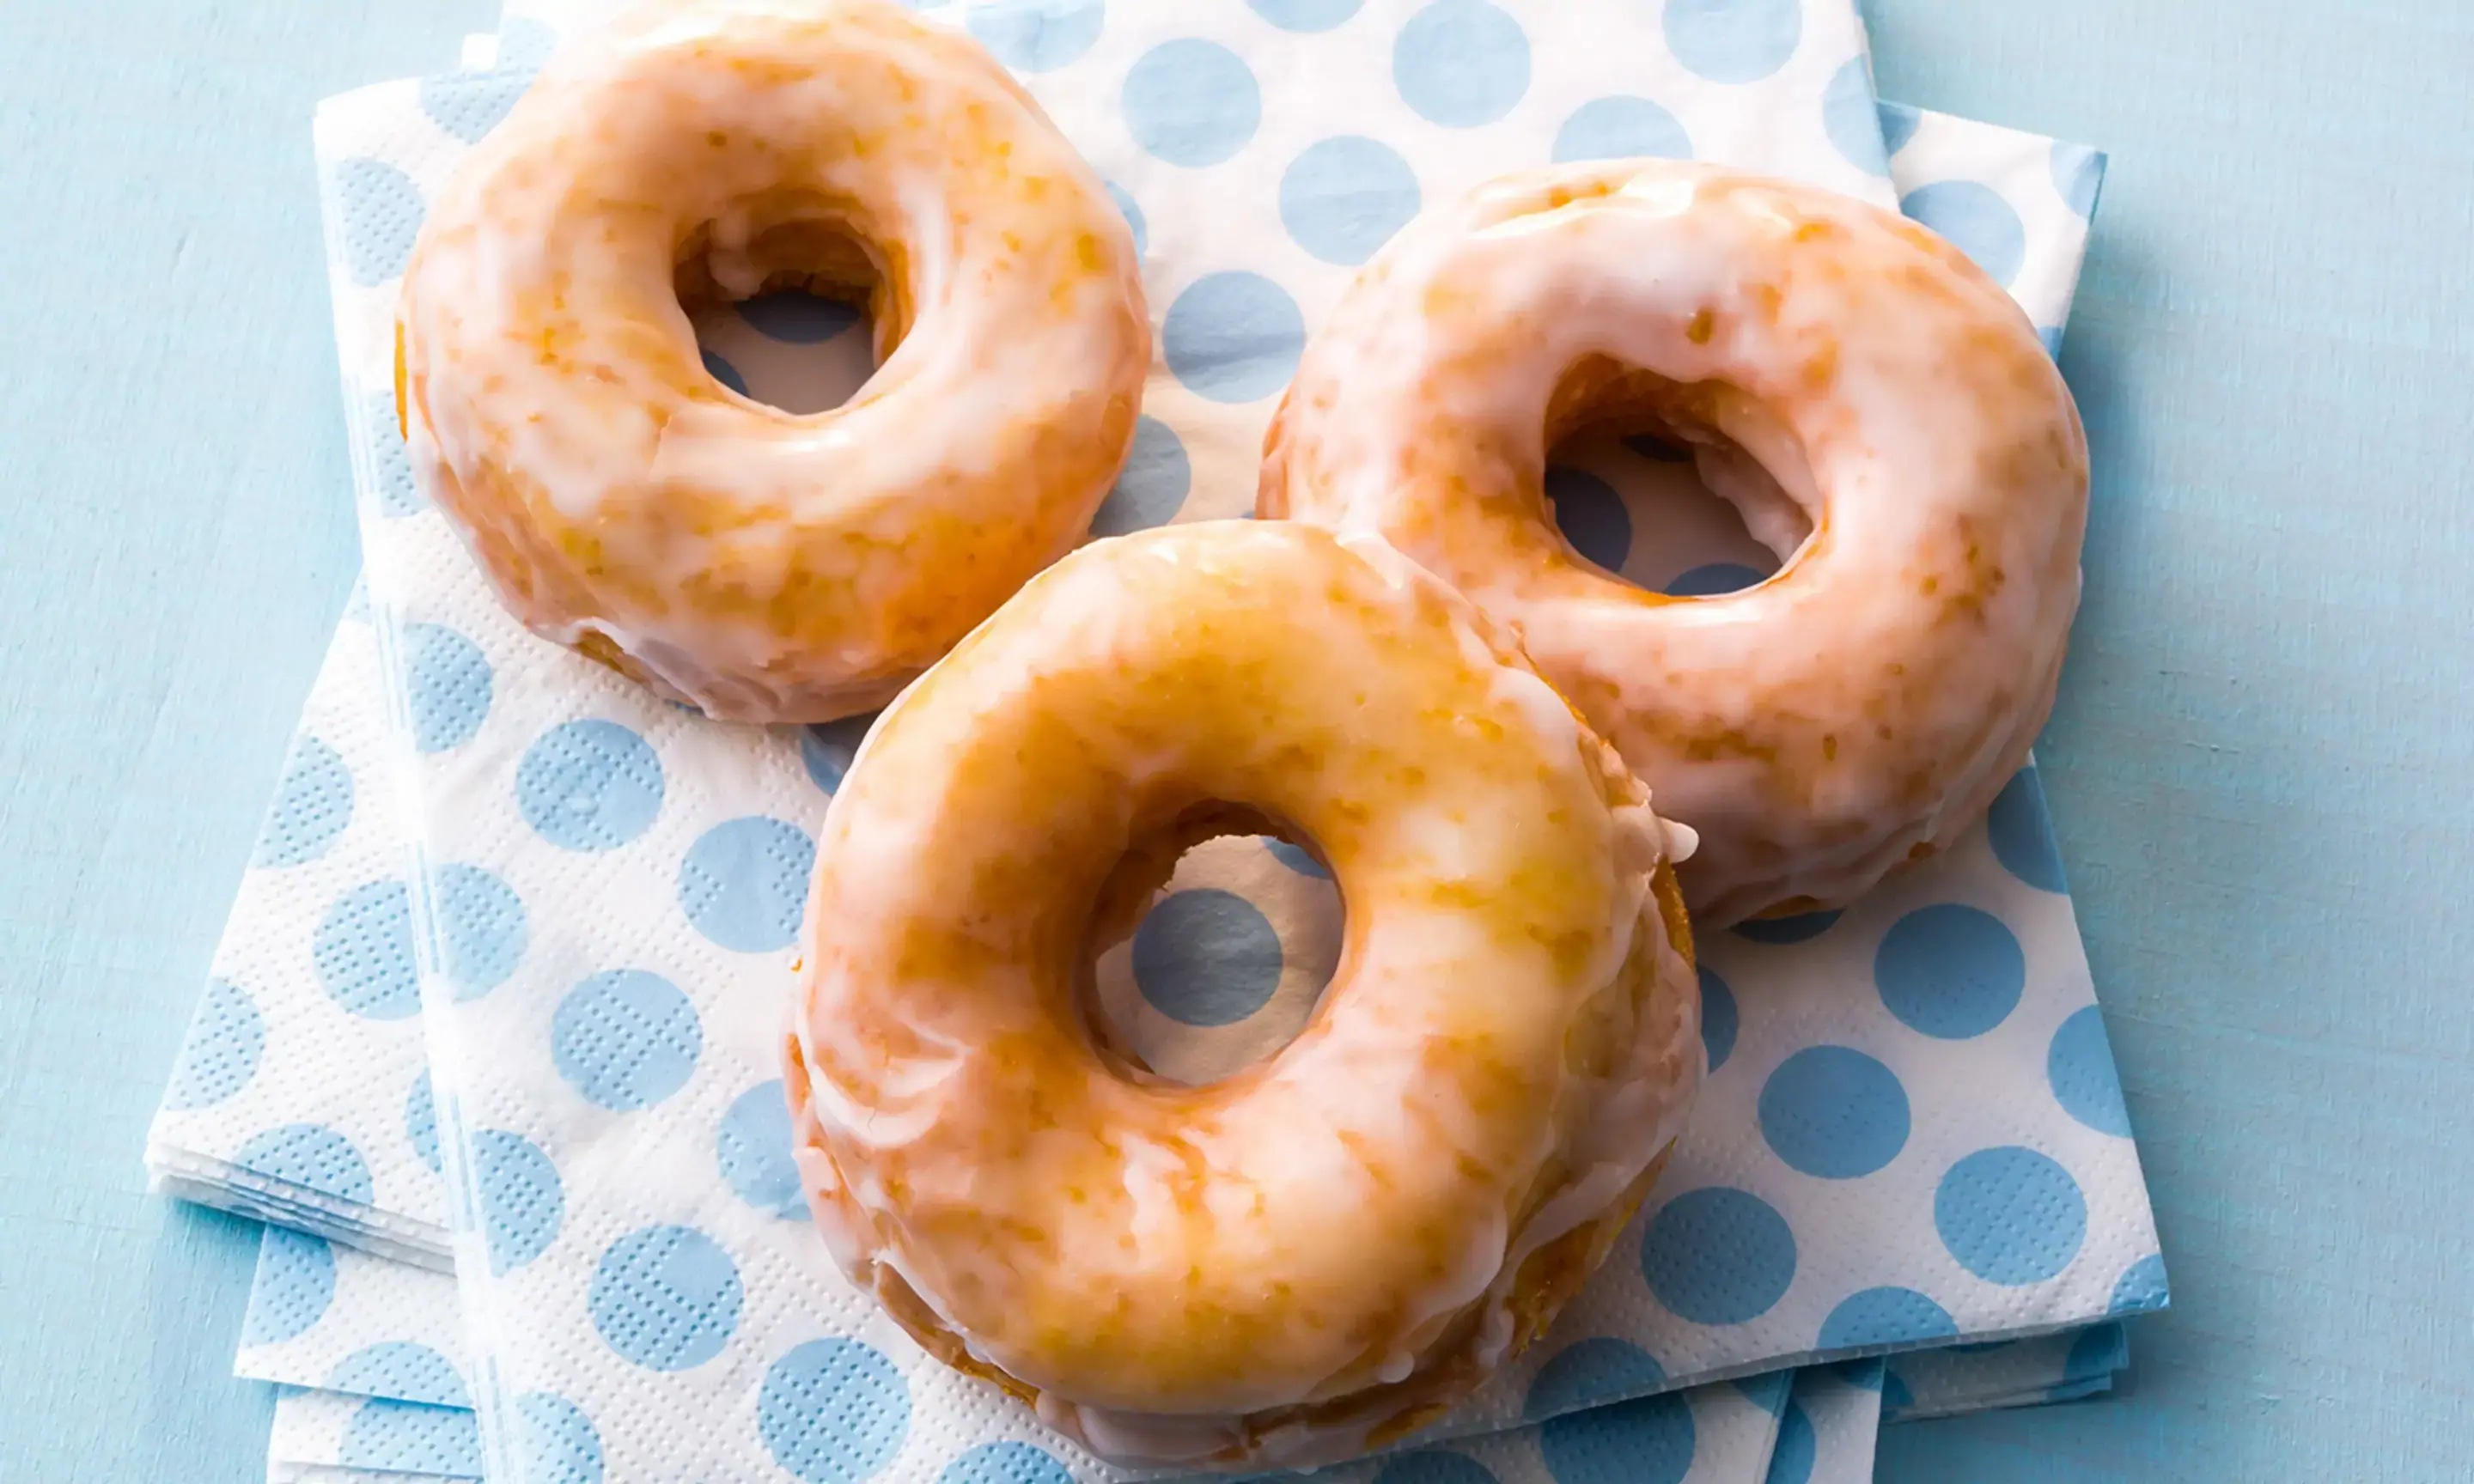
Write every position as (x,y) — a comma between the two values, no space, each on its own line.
(1911,1136)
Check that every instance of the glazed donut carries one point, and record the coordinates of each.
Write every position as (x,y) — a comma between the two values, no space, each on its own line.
(1882,414)
(758,565)
(1320,1251)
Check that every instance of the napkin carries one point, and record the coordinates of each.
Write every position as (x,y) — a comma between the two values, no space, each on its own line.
(1833,1419)
(300,1095)
(1867,1177)
(358,1312)
(819,752)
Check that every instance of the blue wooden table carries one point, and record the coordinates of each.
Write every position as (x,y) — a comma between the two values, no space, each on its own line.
(2258,764)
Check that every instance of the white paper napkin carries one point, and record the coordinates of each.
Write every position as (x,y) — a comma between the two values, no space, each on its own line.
(301,1091)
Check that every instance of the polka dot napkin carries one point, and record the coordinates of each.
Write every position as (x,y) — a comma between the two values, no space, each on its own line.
(1900,1163)
(301,1091)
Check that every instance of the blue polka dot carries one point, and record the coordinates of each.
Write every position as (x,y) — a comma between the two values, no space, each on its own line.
(744,883)
(1305,14)
(220,1054)
(797,318)
(2100,1351)
(1896,1398)
(1715,580)
(400,1371)
(1802,927)
(1005,1463)
(311,1156)
(1951,972)
(1151,487)
(294,1283)
(1233,337)
(754,1149)
(448,684)
(397,493)
(625,1039)
(1792,1457)
(1718,1255)
(1977,221)
(1885,1316)
(1899,123)
(589,785)
(469,105)
(1849,118)
(1192,103)
(1621,127)
(2022,832)
(826,749)
(1590,515)
(312,806)
(2010,1215)
(2085,1082)
(1461,63)
(1733,41)
(1132,212)
(382,215)
(666,1299)
(1590,1373)
(832,1411)
(1295,857)
(1717,1017)
(523,1204)
(1206,957)
(2141,1288)
(481,929)
(1434,1466)
(2078,172)
(363,952)
(557,1441)
(404,1437)
(1036,36)
(1647,1441)
(724,371)
(1344,196)
(421,1121)
(1833,1112)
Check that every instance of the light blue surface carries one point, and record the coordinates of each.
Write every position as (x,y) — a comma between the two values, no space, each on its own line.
(2256,765)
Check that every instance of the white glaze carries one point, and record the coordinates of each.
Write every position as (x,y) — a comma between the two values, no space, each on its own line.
(1863,706)
(1325,1249)
(763,565)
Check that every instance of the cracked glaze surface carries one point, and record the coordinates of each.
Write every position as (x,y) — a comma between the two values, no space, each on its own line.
(759,565)
(1845,373)
(1324,1249)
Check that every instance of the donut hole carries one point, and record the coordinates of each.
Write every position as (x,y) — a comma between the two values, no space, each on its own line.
(1644,480)
(796,315)
(1210,947)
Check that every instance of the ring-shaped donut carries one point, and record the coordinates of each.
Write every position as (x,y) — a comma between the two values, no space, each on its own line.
(759,565)
(1322,1250)
(1882,410)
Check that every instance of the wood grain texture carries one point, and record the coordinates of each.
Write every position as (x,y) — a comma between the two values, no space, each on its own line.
(174,541)
(2257,765)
